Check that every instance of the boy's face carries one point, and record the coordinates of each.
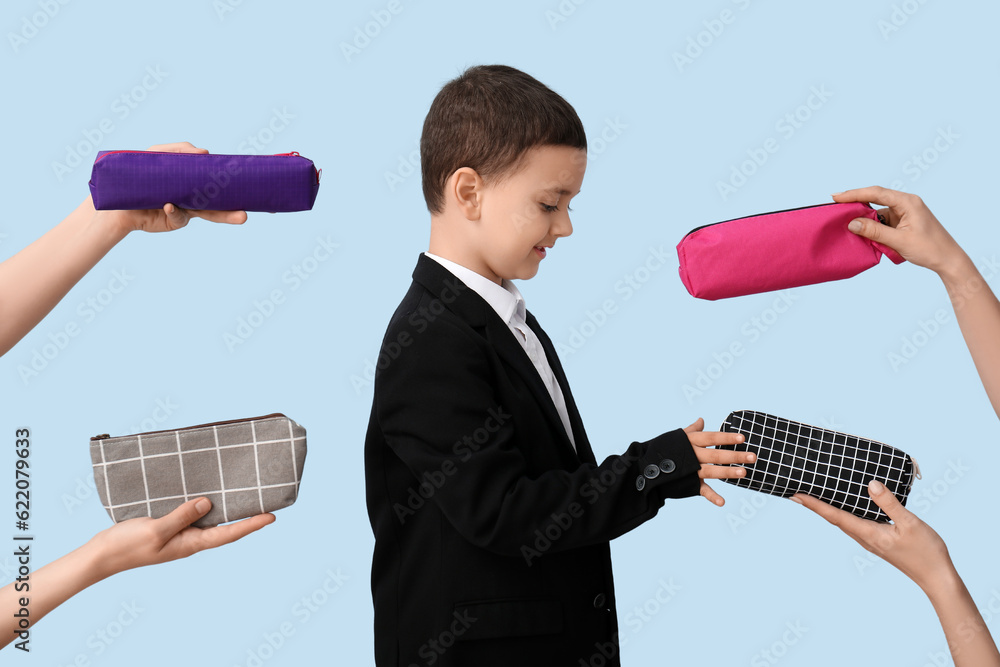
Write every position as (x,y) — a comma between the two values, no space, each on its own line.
(524,214)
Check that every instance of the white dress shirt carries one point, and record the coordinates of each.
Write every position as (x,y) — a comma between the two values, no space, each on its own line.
(508,303)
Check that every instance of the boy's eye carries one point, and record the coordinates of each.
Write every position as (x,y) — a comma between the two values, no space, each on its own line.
(552,209)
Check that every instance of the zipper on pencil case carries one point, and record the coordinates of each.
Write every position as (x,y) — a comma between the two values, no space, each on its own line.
(787,210)
(105,436)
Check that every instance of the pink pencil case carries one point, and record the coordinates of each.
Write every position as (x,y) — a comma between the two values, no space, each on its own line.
(778,250)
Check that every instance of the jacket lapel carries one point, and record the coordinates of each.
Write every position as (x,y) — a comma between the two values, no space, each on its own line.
(471,307)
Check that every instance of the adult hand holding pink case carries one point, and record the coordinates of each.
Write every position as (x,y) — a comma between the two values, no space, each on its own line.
(779,250)
(204,181)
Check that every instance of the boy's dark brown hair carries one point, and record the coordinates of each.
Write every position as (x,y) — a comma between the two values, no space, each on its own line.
(486,119)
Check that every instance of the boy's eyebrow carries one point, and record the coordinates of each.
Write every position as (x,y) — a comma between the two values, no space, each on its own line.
(558,191)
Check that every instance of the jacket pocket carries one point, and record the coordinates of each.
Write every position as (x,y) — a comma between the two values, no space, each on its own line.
(490,619)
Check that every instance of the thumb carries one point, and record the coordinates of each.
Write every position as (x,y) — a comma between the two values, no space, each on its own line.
(874,231)
(698,425)
(888,502)
(183,516)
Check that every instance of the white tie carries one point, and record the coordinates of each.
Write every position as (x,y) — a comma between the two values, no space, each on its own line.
(536,353)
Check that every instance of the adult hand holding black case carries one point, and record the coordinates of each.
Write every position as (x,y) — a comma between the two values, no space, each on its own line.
(835,467)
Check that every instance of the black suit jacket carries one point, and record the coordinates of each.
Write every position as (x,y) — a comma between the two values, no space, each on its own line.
(491,532)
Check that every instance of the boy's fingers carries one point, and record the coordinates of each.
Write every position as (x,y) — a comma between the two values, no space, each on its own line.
(698,425)
(724,456)
(715,438)
(722,472)
(710,495)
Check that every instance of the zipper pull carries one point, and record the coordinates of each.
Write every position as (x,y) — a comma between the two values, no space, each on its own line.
(292,153)
(103,436)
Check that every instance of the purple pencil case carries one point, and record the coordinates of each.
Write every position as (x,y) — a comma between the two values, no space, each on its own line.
(778,250)
(204,181)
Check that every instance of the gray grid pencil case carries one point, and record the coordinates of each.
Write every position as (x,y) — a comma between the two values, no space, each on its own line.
(244,466)
(836,467)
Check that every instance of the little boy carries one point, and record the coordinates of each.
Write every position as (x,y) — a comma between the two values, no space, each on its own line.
(491,515)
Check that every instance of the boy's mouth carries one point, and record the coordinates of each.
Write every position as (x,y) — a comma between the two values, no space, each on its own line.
(540,249)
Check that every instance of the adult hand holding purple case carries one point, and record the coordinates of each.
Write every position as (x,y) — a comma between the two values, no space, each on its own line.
(778,250)
(204,181)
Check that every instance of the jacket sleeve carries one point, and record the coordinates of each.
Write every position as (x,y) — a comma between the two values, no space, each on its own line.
(439,413)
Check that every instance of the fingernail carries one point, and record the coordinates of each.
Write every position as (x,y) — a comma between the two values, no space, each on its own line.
(836,194)
(203,505)
(719,502)
(795,500)
(875,487)
(751,458)
(854,225)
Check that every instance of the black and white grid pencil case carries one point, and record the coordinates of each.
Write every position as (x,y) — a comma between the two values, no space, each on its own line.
(244,466)
(835,467)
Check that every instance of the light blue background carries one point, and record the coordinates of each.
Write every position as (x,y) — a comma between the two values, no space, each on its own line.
(744,571)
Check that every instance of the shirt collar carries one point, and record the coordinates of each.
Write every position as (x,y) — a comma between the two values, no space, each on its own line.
(505,299)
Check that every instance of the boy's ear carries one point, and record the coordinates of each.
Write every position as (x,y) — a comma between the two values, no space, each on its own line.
(466,192)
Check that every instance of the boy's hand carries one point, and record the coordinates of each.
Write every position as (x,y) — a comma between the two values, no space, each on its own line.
(715,462)
(171,217)
(908,543)
(912,230)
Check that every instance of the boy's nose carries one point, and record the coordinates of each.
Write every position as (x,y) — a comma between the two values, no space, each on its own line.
(563,227)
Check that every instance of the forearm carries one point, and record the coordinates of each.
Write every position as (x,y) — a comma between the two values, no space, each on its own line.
(978,313)
(48,588)
(34,280)
(968,637)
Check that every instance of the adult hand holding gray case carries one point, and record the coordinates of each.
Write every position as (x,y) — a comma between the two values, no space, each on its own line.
(244,466)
